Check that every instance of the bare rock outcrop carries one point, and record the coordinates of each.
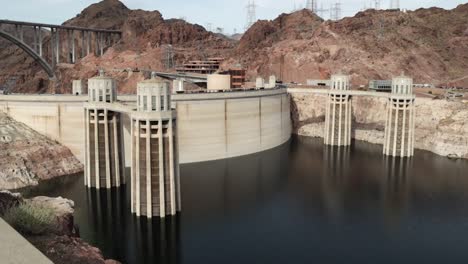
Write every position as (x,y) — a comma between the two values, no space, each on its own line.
(69,250)
(141,47)
(28,157)
(9,200)
(441,126)
(428,44)
(62,244)
(63,211)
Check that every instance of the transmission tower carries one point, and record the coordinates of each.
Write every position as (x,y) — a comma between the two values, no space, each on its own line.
(251,15)
(321,11)
(312,5)
(209,26)
(220,30)
(335,11)
(377,4)
(395,4)
(168,56)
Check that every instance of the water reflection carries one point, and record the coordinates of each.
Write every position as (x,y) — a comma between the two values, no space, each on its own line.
(126,237)
(299,203)
(157,240)
(234,186)
(335,180)
(396,187)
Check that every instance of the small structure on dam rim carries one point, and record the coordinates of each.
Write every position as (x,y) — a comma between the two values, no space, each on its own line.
(155,184)
(399,129)
(338,112)
(103,149)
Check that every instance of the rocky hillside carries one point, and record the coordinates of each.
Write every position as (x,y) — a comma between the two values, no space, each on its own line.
(27,157)
(429,44)
(145,33)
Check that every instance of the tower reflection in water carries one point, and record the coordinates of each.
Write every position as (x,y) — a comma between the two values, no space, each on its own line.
(396,186)
(232,187)
(353,180)
(212,193)
(335,178)
(128,238)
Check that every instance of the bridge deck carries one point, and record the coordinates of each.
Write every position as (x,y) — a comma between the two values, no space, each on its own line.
(32,24)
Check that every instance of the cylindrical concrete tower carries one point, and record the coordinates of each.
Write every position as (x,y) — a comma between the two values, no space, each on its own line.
(399,129)
(338,112)
(155,189)
(103,136)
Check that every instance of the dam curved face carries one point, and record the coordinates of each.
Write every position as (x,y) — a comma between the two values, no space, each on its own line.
(226,125)
(211,126)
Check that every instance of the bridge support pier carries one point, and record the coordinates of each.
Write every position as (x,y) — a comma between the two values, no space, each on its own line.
(101,45)
(96,40)
(52,47)
(338,113)
(57,46)
(40,41)
(35,44)
(71,45)
(155,184)
(399,129)
(103,136)
(83,44)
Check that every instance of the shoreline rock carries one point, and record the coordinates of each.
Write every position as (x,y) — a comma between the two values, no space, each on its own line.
(28,157)
(63,245)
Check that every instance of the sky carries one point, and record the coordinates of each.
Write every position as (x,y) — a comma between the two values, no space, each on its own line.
(231,15)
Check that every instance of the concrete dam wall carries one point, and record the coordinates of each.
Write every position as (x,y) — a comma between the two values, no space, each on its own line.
(210,126)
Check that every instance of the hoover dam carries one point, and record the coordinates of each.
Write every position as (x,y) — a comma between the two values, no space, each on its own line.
(210,126)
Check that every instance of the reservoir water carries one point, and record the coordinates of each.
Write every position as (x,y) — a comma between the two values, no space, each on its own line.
(299,203)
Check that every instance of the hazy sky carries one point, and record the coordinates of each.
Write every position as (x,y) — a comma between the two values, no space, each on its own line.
(227,14)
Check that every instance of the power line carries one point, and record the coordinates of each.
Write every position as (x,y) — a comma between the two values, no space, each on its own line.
(321,11)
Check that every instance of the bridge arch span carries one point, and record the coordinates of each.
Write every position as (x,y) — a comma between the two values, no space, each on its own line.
(43,63)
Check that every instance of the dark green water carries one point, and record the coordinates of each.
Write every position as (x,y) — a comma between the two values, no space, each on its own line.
(299,203)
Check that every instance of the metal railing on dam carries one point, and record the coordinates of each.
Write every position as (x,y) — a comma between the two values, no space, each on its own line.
(211,126)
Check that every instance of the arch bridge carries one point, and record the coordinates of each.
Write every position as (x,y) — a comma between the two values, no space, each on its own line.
(76,43)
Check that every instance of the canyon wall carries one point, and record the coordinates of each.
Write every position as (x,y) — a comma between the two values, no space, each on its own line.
(441,126)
